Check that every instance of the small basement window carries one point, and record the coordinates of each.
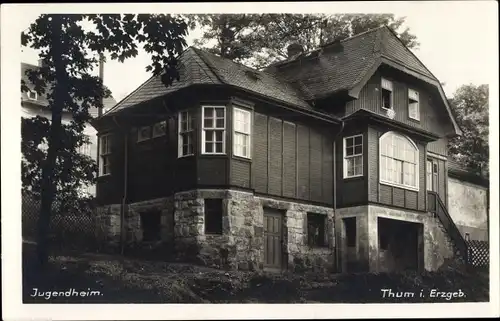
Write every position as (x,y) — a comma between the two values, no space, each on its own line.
(151,226)
(316,230)
(350,231)
(213,216)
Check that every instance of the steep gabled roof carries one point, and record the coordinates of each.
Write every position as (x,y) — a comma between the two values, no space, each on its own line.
(348,64)
(198,67)
(42,100)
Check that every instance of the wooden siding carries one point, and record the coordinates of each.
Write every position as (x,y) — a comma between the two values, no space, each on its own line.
(289,160)
(303,162)
(260,154)
(240,172)
(351,191)
(275,176)
(432,110)
(212,170)
(439,147)
(298,158)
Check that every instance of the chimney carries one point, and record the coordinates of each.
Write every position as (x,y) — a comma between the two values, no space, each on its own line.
(294,49)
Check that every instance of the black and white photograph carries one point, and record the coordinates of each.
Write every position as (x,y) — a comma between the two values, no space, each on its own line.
(250,160)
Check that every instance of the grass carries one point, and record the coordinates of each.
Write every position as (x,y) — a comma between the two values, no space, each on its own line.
(127,280)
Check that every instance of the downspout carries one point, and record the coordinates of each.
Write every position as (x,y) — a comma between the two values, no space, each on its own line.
(125,188)
(337,249)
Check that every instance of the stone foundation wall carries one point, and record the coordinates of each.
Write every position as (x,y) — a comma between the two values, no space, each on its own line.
(241,244)
(437,245)
(108,224)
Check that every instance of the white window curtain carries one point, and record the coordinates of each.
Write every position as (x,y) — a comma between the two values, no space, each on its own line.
(353,156)
(413,104)
(398,161)
(241,133)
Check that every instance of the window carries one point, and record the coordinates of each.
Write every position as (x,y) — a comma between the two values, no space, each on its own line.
(213,216)
(386,94)
(105,154)
(151,226)
(429,174)
(186,133)
(413,104)
(316,230)
(242,132)
(159,129)
(398,161)
(384,241)
(32,95)
(214,130)
(143,133)
(353,156)
(350,231)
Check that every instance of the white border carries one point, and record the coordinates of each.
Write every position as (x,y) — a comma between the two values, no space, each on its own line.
(13,309)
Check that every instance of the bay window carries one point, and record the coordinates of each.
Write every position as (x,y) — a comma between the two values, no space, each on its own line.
(186,132)
(241,132)
(213,133)
(353,156)
(398,161)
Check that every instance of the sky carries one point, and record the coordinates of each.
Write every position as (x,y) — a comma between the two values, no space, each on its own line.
(452,36)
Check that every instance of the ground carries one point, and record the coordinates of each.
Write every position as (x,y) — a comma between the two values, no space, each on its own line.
(129,280)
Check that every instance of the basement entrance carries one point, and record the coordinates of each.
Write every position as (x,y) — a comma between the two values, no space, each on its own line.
(400,245)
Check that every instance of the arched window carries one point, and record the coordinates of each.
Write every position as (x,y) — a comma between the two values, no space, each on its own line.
(398,161)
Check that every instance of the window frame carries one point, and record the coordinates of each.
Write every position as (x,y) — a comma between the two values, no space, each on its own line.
(345,157)
(104,155)
(416,164)
(164,122)
(214,128)
(221,226)
(416,94)
(189,131)
(247,134)
(323,242)
(139,139)
(391,90)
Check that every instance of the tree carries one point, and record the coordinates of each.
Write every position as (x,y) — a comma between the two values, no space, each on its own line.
(261,39)
(70,46)
(470,105)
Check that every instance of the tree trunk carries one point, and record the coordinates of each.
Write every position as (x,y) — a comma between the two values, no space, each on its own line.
(48,187)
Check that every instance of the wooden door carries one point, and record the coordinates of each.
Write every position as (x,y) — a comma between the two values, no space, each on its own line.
(273,236)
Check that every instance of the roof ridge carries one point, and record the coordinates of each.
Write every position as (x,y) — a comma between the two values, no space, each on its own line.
(197,51)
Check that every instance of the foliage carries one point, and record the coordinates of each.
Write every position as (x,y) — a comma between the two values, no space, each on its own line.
(261,39)
(70,47)
(470,105)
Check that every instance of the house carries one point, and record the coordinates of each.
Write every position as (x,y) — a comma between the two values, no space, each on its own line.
(33,105)
(332,160)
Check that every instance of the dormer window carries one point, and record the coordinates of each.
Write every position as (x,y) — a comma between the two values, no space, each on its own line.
(386,94)
(32,95)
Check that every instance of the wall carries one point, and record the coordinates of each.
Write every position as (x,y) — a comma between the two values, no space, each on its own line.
(29,110)
(467,205)
(432,110)
(437,247)
(291,159)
